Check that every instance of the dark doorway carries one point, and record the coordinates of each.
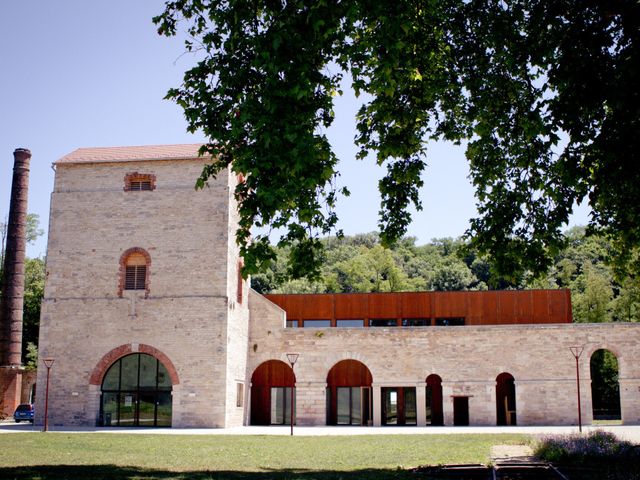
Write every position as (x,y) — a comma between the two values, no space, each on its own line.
(460,411)
(271,386)
(605,389)
(399,406)
(434,400)
(349,400)
(505,399)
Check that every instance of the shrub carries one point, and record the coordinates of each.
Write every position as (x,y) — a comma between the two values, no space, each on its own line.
(597,445)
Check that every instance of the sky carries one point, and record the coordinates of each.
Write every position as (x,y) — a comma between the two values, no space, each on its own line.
(77,73)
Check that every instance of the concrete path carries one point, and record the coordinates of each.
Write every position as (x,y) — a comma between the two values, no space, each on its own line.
(626,432)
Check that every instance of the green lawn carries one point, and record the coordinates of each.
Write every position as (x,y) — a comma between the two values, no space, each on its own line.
(105,456)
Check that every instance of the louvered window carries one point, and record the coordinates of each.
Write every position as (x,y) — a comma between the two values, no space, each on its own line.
(136,182)
(135,272)
(135,277)
(140,185)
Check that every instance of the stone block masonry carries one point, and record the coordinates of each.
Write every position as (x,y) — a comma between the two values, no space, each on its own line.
(199,319)
(189,312)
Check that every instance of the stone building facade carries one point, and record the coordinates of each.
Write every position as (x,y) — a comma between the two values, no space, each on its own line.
(150,323)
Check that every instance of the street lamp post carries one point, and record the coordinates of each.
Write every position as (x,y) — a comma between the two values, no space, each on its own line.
(293,358)
(577,351)
(48,362)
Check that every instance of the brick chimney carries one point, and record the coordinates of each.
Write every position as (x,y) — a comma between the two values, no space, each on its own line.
(11,305)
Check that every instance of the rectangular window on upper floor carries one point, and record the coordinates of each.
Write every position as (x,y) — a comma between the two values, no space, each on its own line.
(416,322)
(136,182)
(350,323)
(316,323)
(135,277)
(449,321)
(383,322)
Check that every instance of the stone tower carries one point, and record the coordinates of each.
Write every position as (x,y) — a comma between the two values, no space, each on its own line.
(143,311)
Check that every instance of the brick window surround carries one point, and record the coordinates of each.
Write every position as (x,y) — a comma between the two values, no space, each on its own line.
(123,350)
(135,181)
(135,252)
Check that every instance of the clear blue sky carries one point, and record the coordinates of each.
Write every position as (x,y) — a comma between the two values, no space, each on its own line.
(79,73)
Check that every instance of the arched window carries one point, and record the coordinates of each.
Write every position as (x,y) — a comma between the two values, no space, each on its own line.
(134,270)
(136,392)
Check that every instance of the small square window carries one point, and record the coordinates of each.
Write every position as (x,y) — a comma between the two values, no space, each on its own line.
(136,182)
(292,323)
(140,185)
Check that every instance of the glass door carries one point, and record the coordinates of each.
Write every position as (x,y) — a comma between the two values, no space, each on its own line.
(410,410)
(146,409)
(128,402)
(353,405)
(399,406)
(366,406)
(281,406)
(390,406)
(163,409)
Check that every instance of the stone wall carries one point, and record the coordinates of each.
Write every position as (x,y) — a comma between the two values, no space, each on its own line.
(468,359)
(184,315)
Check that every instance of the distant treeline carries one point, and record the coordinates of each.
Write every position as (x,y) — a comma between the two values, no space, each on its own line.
(360,264)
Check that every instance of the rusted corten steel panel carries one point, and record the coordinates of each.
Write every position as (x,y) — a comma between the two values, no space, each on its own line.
(350,306)
(477,308)
(349,373)
(273,373)
(415,305)
(384,305)
(450,304)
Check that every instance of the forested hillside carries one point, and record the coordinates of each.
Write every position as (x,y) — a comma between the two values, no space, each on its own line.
(360,264)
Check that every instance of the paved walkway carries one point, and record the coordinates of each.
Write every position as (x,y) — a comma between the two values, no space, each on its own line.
(626,432)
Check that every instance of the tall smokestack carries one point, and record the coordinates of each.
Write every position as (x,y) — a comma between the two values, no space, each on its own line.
(13,285)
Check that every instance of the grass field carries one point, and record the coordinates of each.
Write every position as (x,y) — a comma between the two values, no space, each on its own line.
(107,456)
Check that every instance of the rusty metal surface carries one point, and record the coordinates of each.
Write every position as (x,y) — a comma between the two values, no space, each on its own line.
(477,308)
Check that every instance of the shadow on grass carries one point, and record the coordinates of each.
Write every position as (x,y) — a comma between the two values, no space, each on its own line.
(108,472)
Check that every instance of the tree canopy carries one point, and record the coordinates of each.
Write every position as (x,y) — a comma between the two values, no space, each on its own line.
(544,93)
(359,264)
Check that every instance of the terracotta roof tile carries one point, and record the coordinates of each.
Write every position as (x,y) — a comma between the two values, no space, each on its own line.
(131,154)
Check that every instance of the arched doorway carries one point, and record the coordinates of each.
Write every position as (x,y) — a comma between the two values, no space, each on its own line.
(434,400)
(271,385)
(136,392)
(505,399)
(605,390)
(349,400)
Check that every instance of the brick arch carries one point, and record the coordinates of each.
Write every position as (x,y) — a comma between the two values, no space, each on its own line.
(106,361)
(123,264)
(594,347)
